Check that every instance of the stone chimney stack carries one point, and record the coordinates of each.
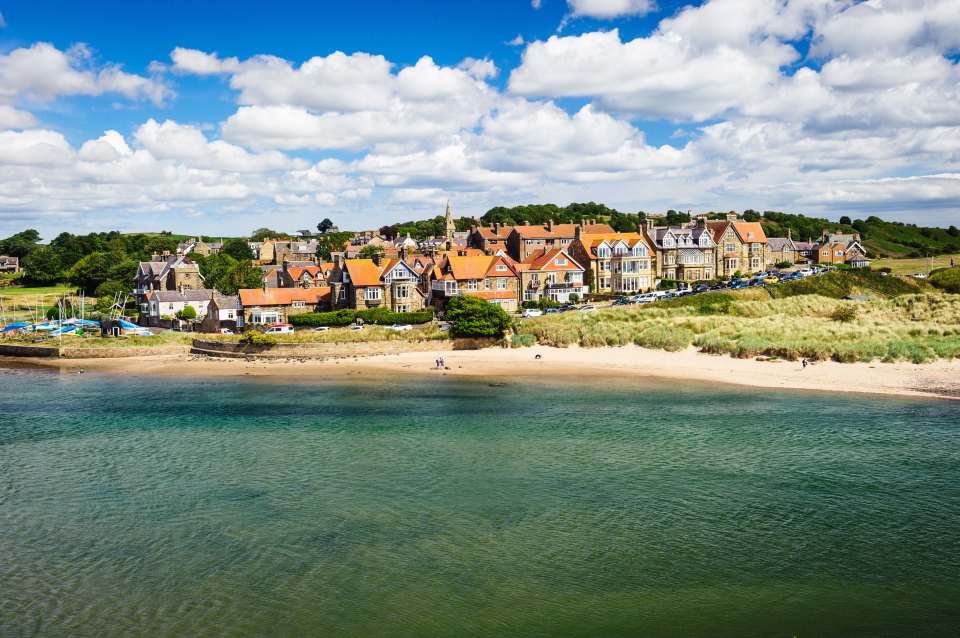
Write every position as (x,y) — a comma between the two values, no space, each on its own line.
(578,231)
(550,225)
(496,228)
(789,233)
(731,216)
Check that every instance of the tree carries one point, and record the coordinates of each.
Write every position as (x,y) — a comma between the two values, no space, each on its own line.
(388,232)
(751,216)
(331,242)
(188,312)
(263,234)
(476,317)
(44,265)
(846,221)
(370,251)
(238,249)
(324,225)
(242,274)
(20,244)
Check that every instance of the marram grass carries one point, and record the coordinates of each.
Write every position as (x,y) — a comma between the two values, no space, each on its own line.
(919,327)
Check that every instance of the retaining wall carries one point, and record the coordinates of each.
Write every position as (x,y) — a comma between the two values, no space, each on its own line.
(333,349)
(12,350)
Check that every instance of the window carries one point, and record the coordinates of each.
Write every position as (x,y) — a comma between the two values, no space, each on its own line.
(299,304)
(730,248)
(170,306)
(371,294)
(501,283)
(551,278)
(535,279)
(668,242)
(486,284)
(472,284)
(529,294)
(560,262)
(403,292)
(603,251)
(501,268)
(343,294)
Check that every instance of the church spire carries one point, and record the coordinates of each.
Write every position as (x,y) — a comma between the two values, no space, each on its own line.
(448,226)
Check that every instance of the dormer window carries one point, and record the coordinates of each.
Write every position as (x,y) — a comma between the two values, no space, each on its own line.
(603,251)
(668,242)
(561,262)
(501,268)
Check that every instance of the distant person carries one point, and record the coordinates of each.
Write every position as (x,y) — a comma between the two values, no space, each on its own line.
(804,362)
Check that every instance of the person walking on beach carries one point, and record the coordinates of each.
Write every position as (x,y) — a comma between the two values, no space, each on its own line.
(804,362)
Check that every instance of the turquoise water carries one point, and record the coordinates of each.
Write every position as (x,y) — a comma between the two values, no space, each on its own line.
(448,507)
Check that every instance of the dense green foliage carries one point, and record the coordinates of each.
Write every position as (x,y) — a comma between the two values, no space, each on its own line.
(331,242)
(347,316)
(227,274)
(20,244)
(539,214)
(947,279)
(44,266)
(370,251)
(188,312)
(263,234)
(255,338)
(476,317)
(237,248)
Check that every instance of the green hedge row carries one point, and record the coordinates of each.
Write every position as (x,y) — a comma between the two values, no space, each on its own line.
(347,316)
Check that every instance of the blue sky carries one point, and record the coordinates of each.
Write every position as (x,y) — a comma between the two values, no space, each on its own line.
(200,117)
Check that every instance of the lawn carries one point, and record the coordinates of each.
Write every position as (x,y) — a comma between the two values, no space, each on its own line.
(16,293)
(912,266)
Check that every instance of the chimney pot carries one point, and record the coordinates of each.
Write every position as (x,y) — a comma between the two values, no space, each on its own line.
(550,225)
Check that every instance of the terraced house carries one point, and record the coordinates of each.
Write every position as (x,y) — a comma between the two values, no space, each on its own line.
(368,283)
(490,277)
(741,246)
(528,239)
(618,262)
(683,252)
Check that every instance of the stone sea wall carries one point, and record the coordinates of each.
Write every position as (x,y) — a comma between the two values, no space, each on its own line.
(333,350)
(13,350)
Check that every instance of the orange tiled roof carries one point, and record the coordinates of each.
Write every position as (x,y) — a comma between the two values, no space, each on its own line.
(744,229)
(561,230)
(470,267)
(363,272)
(490,233)
(299,270)
(282,296)
(592,241)
(540,260)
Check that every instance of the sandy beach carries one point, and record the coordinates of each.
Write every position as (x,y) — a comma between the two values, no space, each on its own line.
(939,379)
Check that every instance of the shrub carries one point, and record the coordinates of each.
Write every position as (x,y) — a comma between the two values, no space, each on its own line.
(188,312)
(574,297)
(254,338)
(783,264)
(476,317)
(523,341)
(386,317)
(342,317)
(844,313)
(665,338)
(947,280)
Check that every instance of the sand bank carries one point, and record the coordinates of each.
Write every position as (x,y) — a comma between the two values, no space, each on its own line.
(939,379)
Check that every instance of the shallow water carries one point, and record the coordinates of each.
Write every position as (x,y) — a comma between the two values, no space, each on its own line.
(446,507)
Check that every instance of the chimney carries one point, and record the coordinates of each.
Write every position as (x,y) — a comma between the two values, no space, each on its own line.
(550,225)
(526,222)
(583,223)
(473,228)
(701,221)
(789,233)
(731,216)
(166,253)
(649,225)
(578,231)
(496,228)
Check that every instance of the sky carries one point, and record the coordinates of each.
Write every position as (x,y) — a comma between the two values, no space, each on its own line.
(222,117)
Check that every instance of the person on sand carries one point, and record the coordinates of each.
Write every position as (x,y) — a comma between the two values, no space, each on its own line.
(804,362)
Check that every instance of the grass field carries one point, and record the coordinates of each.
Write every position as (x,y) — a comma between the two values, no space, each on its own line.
(912,266)
(16,293)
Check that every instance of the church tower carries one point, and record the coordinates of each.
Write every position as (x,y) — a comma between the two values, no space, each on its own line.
(448,226)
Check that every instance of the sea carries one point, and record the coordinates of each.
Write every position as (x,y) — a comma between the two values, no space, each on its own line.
(439,506)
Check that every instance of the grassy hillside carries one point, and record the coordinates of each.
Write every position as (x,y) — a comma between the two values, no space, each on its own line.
(912,327)
(840,283)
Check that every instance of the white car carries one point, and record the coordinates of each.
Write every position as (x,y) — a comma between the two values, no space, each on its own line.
(321,328)
(356,327)
(279,329)
(400,327)
(531,312)
(919,275)
(806,272)
(588,309)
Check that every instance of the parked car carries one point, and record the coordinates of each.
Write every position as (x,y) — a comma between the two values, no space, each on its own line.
(622,301)
(444,327)
(551,311)
(738,285)
(565,308)
(400,327)
(588,308)
(356,327)
(280,329)
(701,288)
(321,328)
(224,331)
(919,275)
(805,272)
(771,279)
(531,312)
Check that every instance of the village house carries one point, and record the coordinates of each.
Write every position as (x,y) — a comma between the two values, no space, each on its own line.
(551,274)
(489,277)
(382,283)
(223,311)
(839,248)
(285,251)
(9,265)
(741,246)
(165,304)
(527,239)
(489,239)
(305,275)
(200,247)
(619,262)
(167,272)
(683,252)
(277,305)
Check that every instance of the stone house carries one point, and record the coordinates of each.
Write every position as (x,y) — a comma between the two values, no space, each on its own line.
(839,248)
(619,262)
(527,239)
(551,274)
(383,283)
(200,247)
(489,239)
(741,246)
(167,272)
(9,265)
(683,252)
(223,311)
(276,305)
(490,277)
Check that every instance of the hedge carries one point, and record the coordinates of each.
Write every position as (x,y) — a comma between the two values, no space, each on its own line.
(346,316)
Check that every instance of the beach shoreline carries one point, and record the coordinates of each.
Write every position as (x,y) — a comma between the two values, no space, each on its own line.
(940,379)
